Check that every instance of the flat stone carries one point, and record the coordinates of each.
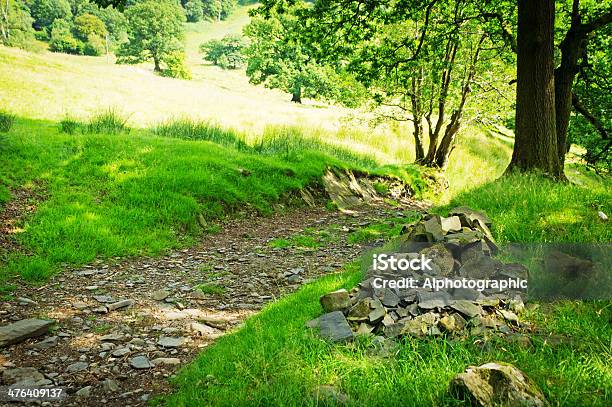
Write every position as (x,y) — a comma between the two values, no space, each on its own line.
(334,327)
(140,362)
(451,224)
(110,386)
(111,338)
(335,301)
(121,352)
(160,295)
(80,305)
(83,392)
(447,323)
(170,342)
(471,215)
(465,293)
(166,361)
(77,367)
(22,375)
(432,226)
(441,257)
(496,384)
(100,310)
(104,298)
(46,343)
(22,330)
(434,299)
(360,311)
(509,316)
(467,308)
(120,304)
(387,297)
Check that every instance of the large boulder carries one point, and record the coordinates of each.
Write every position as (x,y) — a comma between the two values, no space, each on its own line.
(496,384)
(22,330)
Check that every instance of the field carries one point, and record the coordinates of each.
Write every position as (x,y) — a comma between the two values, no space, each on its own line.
(194,152)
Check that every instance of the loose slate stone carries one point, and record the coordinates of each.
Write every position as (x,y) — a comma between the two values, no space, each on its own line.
(442,257)
(467,308)
(166,361)
(431,300)
(22,330)
(464,293)
(360,311)
(451,224)
(103,298)
(160,295)
(140,362)
(120,304)
(334,327)
(335,301)
(170,342)
(22,376)
(388,298)
(432,227)
(77,367)
(46,344)
(111,338)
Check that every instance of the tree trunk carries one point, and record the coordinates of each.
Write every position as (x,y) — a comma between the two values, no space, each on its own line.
(535,146)
(571,48)
(157,66)
(296,93)
(417,117)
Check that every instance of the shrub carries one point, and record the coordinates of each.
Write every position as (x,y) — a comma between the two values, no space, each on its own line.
(7,120)
(110,121)
(193,10)
(175,66)
(88,25)
(226,52)
(94,46)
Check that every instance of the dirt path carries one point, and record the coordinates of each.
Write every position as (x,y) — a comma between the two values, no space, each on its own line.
(178,304)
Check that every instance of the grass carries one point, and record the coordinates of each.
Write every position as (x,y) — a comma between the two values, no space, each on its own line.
(117,193)
(211,289)
(6,121)
(281,362)
(310,238)
(386,229)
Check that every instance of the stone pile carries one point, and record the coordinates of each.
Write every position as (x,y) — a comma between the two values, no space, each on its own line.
(459,246)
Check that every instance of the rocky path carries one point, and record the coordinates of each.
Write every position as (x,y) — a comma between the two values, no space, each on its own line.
(122,329)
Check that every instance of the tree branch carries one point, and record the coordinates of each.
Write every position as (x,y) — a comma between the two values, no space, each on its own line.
(580,108)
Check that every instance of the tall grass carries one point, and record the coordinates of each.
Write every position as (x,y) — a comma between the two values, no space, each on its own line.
(190,129)
(7,120)
(109,121)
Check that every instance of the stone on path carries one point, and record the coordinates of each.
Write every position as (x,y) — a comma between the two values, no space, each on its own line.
(170,342)
(84,392)
(77,367)
(22,375)
(24,329)
(140,362)
(166,361)
(497,384)
(160,295)
(120,304)
(110,386)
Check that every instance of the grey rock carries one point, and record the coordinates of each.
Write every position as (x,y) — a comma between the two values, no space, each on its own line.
(26,301)
(120,352)
(140,362)
(77,367)
(204,330)
(441,257)
(83,392)
(470,215)
(334,327)
(451,224)
(24,329)
(497,384)
(170,342)
(110,386)
(160,295)
(22,376)
(111,338)
(434,299)
(335,301)
(166,361)
(388,298)
(104,298)
(120,304)
(46,343)
(467,308)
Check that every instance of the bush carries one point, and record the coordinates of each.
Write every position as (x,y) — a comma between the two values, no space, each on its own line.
(175,66)
(87,26)
(193,10)
(226,52)
(94,46)
(111,121)
(7,120)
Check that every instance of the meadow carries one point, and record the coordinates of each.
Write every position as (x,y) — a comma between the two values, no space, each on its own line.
(121,162)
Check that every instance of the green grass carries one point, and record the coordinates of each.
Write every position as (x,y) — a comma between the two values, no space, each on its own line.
(281,362)
(211,289)
(310,238)
(120,193)
(386,229)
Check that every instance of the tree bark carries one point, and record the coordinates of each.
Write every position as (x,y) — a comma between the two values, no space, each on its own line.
(296,93)
(535,146)
(157,66)
(571,48)
(417,116)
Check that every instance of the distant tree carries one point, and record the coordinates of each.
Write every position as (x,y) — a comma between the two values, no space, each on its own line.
(193,10)
(62,38)
(45,12)
(115,22)
(228,52)
(155,31)
(87,25)
(278,59)
(218,9)
(15,24)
